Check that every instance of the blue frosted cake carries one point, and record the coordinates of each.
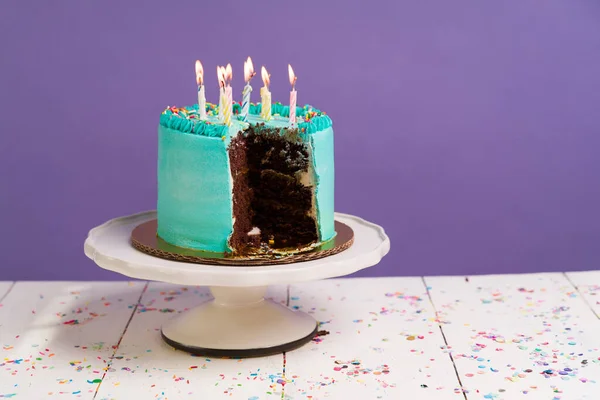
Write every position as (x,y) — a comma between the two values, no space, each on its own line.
(255,186)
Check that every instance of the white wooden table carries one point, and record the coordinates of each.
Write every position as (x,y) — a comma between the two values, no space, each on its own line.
(482,337)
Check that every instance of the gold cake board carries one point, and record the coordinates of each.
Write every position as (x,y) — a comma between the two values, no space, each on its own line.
(145,239)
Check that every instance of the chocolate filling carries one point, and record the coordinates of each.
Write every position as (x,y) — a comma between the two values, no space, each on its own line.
(266,168)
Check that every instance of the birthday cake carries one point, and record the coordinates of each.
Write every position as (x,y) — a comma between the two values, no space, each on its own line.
(243,178)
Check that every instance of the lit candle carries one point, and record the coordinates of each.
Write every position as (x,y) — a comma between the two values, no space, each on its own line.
(248,74)
(265,95)
(201,96)
(228,109)
(221,77)
(293,95)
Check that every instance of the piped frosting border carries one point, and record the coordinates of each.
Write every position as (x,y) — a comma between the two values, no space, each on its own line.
(186,119)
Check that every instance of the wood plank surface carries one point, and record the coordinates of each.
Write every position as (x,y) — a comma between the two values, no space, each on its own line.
(5,287)
(588,284)
(519,336)
(146,368)
(509,337)
(383,343)
(57,338)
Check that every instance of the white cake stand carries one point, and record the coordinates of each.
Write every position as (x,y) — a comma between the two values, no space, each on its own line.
(239,322)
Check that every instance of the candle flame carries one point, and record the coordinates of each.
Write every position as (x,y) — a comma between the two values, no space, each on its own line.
(228,73)
(265,76)
(293,77)
(199,72)
(248,70)
(221,76)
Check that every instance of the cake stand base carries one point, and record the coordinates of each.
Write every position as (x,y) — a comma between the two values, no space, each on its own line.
(239,322)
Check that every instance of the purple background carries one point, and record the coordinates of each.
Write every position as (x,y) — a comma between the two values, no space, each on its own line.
(469,129)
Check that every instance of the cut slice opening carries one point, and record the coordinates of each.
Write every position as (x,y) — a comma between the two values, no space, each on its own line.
(273,191)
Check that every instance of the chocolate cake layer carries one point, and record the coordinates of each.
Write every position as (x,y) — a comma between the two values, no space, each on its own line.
(267,167)
(242,195)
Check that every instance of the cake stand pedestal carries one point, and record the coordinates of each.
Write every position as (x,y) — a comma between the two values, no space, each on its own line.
(239,322)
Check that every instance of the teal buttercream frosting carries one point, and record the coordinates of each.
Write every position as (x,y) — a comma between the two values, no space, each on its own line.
(186,119)
(194,175)
(322,155)
(194,207)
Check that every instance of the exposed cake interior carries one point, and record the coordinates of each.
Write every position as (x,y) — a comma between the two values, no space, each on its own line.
(273,192)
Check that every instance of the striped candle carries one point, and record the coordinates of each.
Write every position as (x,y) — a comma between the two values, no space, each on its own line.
(293,96)
(228,109)
(201,96)
(265,96)
(265,111)
(201,102)
(229,97)
(221,102)
(248,74)
(221,77)
(246,101)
